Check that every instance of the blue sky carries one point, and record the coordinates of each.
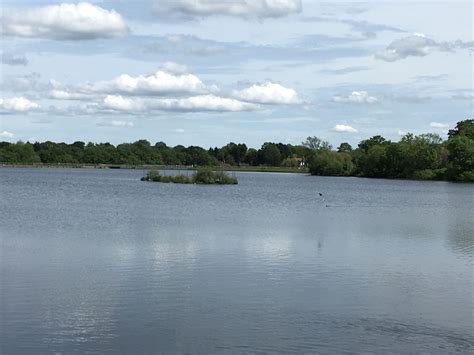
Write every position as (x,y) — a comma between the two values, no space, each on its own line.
(205,72)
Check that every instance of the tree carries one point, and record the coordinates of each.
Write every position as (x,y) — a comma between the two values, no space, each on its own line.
(365,145)
(18,153)
(464,128)
(315,143)
(251,157)
(269,154)
(328,163)
(344,147)
(461,156)
(199,156)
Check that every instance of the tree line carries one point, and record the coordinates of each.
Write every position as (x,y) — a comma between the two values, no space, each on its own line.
(424,156)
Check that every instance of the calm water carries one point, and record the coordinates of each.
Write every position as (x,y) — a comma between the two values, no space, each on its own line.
(98,261)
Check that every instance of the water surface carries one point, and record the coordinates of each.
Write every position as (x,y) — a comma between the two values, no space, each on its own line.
(97,261)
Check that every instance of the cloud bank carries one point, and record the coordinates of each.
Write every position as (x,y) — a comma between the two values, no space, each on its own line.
(200,103)
(238,8)
(160,83)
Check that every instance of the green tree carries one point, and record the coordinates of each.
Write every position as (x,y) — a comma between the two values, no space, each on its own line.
(18,153)
(315,143)
(344,148)
(328,163)
(461,151)
(269,154)
(251,157)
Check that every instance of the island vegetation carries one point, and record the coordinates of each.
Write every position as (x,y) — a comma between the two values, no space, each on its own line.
(424,156)
(201,176)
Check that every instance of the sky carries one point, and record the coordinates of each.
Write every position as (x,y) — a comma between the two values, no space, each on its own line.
(205,72)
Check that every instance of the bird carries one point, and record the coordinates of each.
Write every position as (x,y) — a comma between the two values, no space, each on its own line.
(320,193)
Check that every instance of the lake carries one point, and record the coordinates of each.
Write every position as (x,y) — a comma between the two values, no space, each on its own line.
(96,261)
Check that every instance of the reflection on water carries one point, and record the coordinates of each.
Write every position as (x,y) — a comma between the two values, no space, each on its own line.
(97,261)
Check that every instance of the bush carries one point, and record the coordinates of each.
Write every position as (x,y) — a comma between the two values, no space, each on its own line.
(202,176)
(291,163)
(207,176)
(152,175)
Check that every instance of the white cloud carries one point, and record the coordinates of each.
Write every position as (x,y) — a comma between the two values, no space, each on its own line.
(160,83)
(18,104)
(268,93)
(14,59)
(6,134)
(200,103)
(342,128)
(239,8)
(63,22)
(439,125)
(208,103)
(119,103)
(118,124)
(358,97)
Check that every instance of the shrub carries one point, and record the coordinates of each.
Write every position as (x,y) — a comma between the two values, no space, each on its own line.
(202,176)
(207,176)
(152,175)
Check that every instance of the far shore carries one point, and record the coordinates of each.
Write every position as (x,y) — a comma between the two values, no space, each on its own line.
(271,169)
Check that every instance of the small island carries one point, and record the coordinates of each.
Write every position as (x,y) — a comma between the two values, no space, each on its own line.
(201,176)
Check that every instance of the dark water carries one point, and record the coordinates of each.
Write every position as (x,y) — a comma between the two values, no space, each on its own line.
(97,261)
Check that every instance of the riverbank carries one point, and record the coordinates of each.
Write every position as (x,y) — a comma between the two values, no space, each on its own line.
(269,169)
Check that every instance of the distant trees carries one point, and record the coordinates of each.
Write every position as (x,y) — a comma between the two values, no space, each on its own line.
(424,156)
(461,151)
(18,153)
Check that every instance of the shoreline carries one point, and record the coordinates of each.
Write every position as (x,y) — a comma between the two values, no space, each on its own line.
(257,169)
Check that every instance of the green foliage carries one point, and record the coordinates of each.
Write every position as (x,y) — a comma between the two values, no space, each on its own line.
(291,163)
(315,144)
(201,176)
(461,152)
(429,174)
(18,153)
(152,175)
(344,148)
(413,157)
(269,154)
(207,176)
(329,163)
(155,176)
(463,128)
(251,157)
